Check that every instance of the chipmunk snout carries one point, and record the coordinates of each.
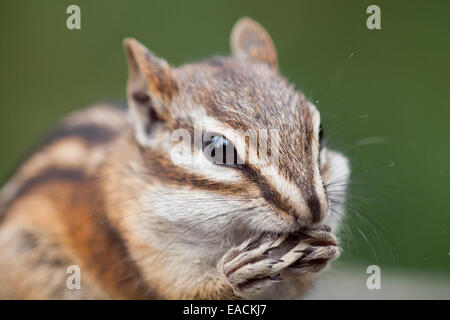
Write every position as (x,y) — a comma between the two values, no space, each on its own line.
(305,201)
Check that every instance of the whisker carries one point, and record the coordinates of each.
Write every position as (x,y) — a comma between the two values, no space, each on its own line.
(368,243)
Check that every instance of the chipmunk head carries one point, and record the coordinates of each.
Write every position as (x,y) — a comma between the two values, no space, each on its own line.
(229,143)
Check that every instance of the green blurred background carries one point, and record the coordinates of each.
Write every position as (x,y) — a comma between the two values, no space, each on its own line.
(383,94)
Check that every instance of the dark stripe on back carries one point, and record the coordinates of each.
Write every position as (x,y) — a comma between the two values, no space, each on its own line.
(51,175)
(92,134)
(94,239)
(108,257)
(47,176)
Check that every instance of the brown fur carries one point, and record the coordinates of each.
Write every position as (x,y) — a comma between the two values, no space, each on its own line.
(78,200)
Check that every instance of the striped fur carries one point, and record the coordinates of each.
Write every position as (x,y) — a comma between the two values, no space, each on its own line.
(103,191)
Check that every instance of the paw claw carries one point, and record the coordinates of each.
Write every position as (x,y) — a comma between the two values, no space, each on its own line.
(252,266)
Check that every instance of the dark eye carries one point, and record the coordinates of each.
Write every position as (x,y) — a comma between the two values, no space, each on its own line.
(219,150)
(321,138)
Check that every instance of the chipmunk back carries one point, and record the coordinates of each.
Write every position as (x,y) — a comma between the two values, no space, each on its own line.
(172,199)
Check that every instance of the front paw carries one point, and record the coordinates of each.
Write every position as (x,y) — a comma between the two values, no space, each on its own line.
(248,268)
(314,249)
(260,263)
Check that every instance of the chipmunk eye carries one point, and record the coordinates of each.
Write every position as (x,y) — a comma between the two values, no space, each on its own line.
(219,150)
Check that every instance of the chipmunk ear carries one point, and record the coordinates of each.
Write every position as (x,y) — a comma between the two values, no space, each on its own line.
(249,40)
(151,86)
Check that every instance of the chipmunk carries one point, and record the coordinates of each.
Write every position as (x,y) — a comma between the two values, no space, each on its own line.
(104,192)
